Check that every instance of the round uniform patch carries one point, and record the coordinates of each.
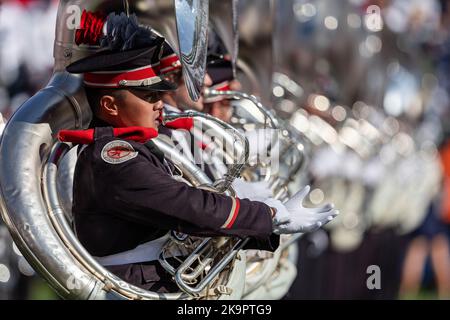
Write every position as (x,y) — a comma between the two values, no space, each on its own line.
(118,151)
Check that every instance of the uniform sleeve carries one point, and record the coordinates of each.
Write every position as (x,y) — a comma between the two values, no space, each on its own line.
(141,191)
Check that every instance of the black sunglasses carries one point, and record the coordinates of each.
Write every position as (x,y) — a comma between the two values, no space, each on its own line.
(149,96)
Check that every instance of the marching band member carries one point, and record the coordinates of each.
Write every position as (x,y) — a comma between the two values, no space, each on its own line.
(125,201)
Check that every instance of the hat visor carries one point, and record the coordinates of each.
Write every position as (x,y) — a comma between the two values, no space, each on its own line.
(163,85)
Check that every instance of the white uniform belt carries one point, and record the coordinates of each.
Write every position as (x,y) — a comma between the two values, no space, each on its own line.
(148,251)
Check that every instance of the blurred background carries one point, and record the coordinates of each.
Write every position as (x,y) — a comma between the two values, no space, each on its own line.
(367,82)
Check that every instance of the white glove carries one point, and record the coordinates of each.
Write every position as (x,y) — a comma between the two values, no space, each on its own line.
(293,217)
(255,191)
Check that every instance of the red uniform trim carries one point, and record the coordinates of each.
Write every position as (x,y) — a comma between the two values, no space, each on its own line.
(169,63)
(138,134)
(235,213)
(183,123)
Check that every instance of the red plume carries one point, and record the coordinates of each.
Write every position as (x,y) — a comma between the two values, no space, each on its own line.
(91,28)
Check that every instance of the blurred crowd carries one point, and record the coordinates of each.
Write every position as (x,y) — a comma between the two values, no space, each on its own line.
(27,33)
(415,262)
(386,63)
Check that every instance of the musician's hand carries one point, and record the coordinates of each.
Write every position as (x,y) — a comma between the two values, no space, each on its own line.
(293,217)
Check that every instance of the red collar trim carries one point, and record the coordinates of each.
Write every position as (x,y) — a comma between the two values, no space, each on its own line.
(138,134)
(182,123)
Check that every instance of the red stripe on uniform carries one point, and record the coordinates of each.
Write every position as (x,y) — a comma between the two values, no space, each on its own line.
(235,214)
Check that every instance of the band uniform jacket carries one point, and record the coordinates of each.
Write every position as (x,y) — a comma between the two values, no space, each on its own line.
(122,202)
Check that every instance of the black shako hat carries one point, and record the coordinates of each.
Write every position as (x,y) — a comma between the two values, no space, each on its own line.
(218,63)
(129,58)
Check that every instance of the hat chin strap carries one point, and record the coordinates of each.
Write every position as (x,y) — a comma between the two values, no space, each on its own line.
(138,83)
(143,76)
(126,83)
